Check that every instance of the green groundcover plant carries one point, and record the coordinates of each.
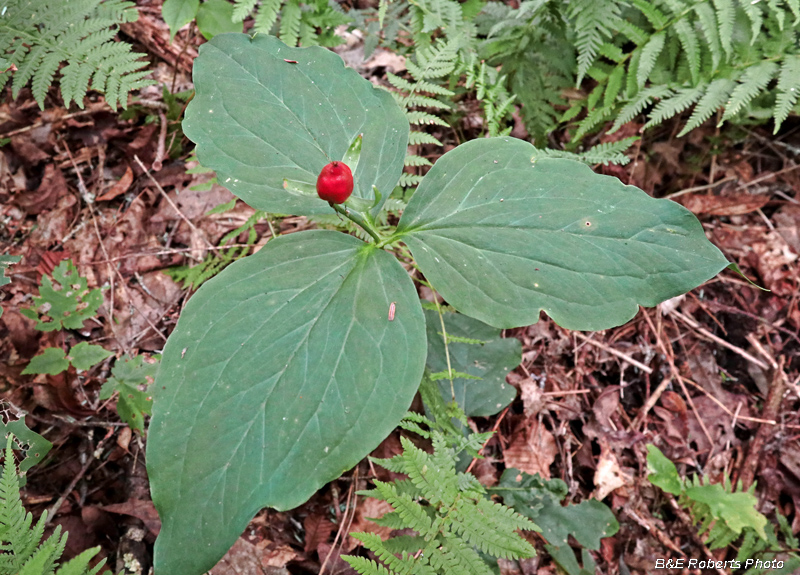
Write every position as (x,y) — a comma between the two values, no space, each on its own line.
(292,364)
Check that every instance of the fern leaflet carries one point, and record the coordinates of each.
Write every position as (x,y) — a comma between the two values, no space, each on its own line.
(37,36)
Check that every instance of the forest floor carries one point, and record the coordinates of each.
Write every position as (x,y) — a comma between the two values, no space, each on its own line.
(712,378)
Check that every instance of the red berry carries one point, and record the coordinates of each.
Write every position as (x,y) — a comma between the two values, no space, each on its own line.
(335,183)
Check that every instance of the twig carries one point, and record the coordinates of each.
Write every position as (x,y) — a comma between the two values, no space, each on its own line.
(725,408)
(693,324)
(771,406)
(350,496)
(700,188)
(485,443)
(613,351)
(162,140)
(171,203)
(40,123)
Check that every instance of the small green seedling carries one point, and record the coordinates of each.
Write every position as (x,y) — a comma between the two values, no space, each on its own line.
(64,302)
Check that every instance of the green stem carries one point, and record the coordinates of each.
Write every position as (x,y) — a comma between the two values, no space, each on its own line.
(363,220)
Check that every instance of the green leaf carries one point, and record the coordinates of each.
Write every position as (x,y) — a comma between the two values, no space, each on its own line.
(259,119)
(34,446)
(663,472)
(490,361)
(564,556)
(283,372)
(85,355)
(222,208)
(178,13)
(52,362)
(131,377)
(216,17)
(540,500)
(650,54)
(65,303)
(503,235)
(5,262)
(738,510)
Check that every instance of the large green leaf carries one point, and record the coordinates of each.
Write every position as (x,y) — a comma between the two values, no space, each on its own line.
(540,500)
(264,113)
(283,372)
(178,13)
(488,357)
(502,235)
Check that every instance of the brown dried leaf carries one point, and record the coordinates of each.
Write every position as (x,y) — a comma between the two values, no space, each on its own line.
(52,187)
(730,204)
(532,449)
(120,187)
(318,528)
(608,476)
(278,557)
(243,558)
(368,509)
(143,510)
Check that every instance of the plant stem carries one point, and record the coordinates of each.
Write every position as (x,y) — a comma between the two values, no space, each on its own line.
(363,220)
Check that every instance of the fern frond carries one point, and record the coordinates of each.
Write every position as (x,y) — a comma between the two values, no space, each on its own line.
(753,12)
(644,99)
(39,35)
(751,83)
(413,160)
(420,118)
(365,566)
(594,22)
(788,89)
(691,47)
(708,25)
(417,138)
(607,153)
(649,54)
(674,105)
(266,16)
(290,23)
(22,549)
(242,9)
(714,98)
(656,17)
(461,558)
(726,14)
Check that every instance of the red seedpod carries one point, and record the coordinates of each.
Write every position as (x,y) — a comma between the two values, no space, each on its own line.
(335,183)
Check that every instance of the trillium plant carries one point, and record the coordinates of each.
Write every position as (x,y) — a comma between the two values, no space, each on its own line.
(291,365)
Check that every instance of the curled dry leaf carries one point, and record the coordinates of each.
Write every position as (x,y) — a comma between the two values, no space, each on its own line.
(532,449)
(608,476)
(120,187)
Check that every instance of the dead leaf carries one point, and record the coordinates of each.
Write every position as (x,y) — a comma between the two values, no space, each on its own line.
(143,510)
(776,263)
(318,528)
(381,58)
(608,476)
(368,509)
(52,187)
(120,187)
(730,204)
(278,557)
(53,226)
(787,224)
(244,558)
(28,150)
(531,394)
(532,449)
